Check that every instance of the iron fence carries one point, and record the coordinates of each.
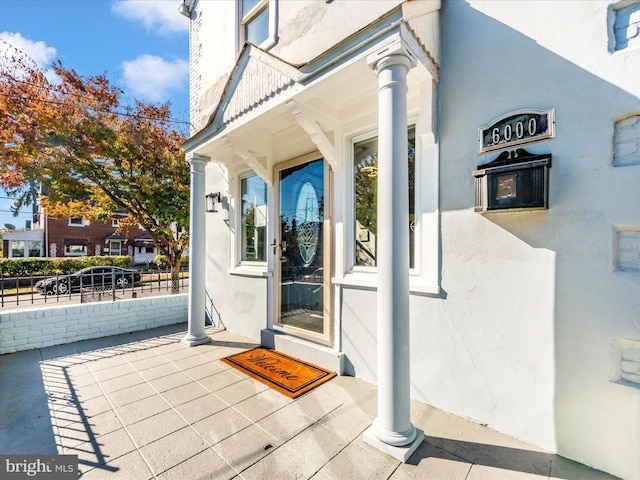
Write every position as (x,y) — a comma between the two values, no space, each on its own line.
(90,285)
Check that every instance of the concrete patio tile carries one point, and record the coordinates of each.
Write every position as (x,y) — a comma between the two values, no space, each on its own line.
(316,403)
(237,392)
(347,422)
(77,380)
(128,467)
(113,372)
(92,406)
(108,360)
(101,450)
(245,447)
(178,354)
(161,370)
(138,355)
(131,394)
(486,472)
(119,383)
(172,449)
(184,393)
(145,408)
(286,423)
(146,363)
(431,463)
(206,465)
(154,428)
(170,381)
(262,404)
(201,407)
(359,460)
(190,361)
(72,435)
(203,370)
(221,425)
(169,347)
(219,380)
(563,468)
(348,389)
(101,424)
(283,463)
(88,392)
(317,445)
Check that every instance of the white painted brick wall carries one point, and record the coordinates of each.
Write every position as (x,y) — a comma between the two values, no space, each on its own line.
(44,327)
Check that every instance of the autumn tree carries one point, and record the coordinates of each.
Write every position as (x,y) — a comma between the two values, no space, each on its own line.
(92,153)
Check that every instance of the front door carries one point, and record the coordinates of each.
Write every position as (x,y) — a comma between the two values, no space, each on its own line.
(302,250)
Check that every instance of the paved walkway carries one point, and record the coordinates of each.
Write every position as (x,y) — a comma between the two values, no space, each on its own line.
(143,406)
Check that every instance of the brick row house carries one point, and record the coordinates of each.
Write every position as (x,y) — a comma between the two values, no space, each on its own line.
(76,237)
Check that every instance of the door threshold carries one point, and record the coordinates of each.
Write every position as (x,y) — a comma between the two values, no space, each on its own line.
(311,352)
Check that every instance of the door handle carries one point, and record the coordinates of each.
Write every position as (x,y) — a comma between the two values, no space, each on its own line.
(282,245)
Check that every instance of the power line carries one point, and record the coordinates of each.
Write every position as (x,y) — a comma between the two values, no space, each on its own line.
(122,114)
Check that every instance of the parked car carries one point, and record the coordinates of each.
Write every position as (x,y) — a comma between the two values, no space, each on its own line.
(92,277)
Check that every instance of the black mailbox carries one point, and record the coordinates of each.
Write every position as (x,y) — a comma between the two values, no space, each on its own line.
(515,180)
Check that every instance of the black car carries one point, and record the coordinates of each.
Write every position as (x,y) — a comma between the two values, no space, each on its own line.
(92,277)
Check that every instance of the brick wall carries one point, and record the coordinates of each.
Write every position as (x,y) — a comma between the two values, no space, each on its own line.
(44,327)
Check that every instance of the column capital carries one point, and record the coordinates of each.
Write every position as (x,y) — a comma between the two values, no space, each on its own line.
(395,52)
(193,158)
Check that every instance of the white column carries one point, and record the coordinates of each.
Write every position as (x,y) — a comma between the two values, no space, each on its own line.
(196,333)
(392,431)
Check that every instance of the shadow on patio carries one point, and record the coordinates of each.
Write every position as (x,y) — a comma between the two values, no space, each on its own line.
(143,405)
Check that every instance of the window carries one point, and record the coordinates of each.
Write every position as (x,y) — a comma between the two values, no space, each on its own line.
(75,250)
(253,195)
(115,247)
(76,221)
(626,25)
(34,248)
(258,22)
(115,222)
(17,249)
(366,200)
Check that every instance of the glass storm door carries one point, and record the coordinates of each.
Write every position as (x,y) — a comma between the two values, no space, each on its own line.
(301,251)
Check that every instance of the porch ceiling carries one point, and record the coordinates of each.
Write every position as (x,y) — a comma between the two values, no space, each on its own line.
(341,103)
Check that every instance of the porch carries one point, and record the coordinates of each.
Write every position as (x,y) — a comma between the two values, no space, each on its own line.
(144,405)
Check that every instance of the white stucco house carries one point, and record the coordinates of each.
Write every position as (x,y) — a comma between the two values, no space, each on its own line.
(441,198)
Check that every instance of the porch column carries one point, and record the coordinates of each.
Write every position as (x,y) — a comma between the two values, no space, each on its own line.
(392,431)
(196,333)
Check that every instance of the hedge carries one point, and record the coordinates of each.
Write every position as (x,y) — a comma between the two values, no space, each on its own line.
(13,267)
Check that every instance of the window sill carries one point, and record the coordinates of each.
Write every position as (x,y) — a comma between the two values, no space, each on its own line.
(370,282)
(245,271)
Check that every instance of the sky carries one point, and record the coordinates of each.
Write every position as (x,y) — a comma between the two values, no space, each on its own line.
(141,46)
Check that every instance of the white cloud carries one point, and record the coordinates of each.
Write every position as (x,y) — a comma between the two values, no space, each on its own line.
(40,52)
(159,15)
(151,78)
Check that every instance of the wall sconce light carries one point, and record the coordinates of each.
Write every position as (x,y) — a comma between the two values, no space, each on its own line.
(212,200)
(183,9)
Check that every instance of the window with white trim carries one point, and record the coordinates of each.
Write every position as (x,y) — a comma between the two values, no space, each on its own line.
(115,222)
(76,221)
(365,186)
(253,219)
(625,29)
(257,22)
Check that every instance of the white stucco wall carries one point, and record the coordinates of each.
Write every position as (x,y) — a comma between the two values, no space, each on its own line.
(533,306)
(527,332)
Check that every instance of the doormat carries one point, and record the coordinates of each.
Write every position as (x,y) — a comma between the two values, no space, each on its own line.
(288,375)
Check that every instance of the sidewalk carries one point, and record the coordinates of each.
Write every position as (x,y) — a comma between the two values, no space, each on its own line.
(143,406)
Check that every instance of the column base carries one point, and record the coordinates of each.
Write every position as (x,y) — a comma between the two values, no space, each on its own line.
(401,453)
(192,341)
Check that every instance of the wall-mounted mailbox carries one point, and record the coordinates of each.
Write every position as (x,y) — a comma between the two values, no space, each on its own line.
(515,180)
